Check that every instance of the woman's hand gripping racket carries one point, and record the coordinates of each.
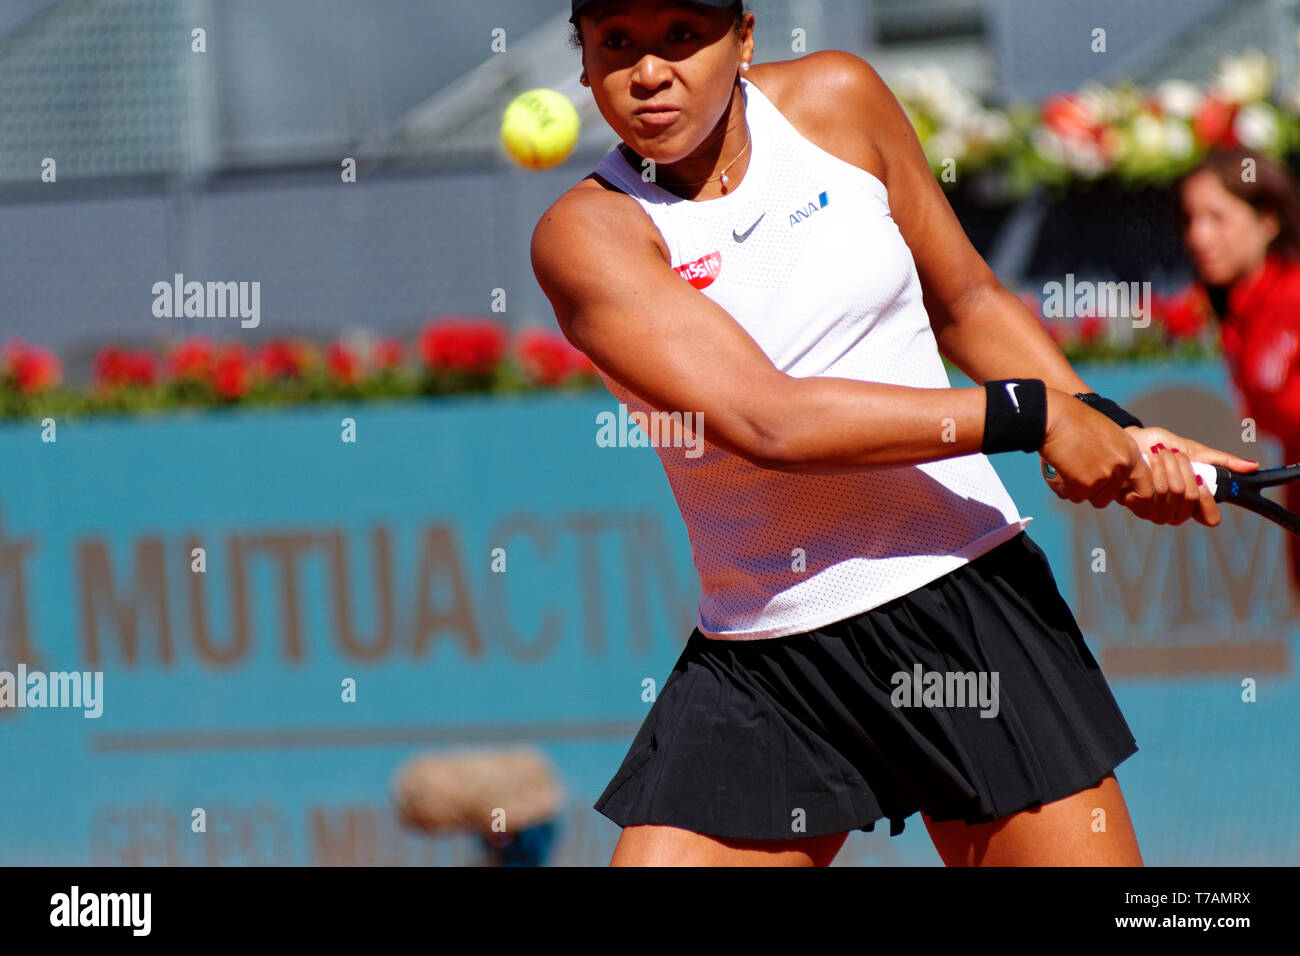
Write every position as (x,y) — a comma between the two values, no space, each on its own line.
(1241,489)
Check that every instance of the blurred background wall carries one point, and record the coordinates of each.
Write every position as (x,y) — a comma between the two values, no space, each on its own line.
(226,165)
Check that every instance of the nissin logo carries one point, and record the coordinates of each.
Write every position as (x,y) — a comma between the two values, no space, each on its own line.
(703,271)
(809,211)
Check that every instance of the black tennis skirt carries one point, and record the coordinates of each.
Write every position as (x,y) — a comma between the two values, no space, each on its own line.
(815,733)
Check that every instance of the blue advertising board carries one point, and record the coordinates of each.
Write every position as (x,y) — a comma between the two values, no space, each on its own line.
(282,617)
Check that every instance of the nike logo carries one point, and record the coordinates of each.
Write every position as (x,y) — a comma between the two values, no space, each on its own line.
(741,237)
(1011,390)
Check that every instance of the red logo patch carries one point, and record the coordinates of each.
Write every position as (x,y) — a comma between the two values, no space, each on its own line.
(703,271)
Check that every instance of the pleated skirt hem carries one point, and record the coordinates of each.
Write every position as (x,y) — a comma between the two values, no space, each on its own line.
(814,734)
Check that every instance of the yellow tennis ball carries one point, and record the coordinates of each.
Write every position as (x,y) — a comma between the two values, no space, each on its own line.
(540,129)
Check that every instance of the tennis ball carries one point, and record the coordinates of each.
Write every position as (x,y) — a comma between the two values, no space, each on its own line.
(540,129)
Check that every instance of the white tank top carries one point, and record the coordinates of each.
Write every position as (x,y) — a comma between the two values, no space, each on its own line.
(826,286)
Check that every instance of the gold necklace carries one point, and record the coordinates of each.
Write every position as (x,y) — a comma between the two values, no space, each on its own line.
(748,139)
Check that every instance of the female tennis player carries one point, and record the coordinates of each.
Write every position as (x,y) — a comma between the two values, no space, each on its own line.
(767,248)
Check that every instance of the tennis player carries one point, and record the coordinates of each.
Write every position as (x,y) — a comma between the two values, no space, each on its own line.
(767,248)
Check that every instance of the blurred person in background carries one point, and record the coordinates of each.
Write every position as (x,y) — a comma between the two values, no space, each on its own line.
(1240,219)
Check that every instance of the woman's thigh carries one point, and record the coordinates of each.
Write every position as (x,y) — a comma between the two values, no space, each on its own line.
(1066,832)
(652,845)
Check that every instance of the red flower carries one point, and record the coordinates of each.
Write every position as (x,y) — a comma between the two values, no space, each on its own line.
(343,363)
(474,346)
(116,367)
(1092,328)
(1068,117)
(387,354)
(284,358)
(226,368)
(1213,124)
(32,368)
(191,358)
(549,359)
(231,372)
(1184,315)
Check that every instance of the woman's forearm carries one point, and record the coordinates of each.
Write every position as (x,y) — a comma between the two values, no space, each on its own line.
(831,425)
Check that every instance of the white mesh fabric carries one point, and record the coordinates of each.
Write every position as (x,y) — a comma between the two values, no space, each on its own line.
(833,292)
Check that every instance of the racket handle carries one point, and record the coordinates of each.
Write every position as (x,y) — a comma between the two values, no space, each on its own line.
(1205,471)
(1209,474)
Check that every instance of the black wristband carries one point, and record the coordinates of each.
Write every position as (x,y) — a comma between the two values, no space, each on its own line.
(1015,415)
(1108,408)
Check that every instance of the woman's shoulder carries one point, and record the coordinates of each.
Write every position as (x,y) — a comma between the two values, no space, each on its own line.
(1272,293)
(816,93)
(809,80)
(1288,273)
(594,206)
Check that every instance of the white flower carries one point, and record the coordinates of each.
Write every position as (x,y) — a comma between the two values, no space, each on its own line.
(1179,98)
(1084,158)
(1148,134)
(945,144)
(1245,78)
(932,90)
(990,128)
(1256,126)
(1126,103)
(1048,145)
(1178,139)
(1102,104)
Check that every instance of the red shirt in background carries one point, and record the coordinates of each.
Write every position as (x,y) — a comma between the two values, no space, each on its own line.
(1260,333)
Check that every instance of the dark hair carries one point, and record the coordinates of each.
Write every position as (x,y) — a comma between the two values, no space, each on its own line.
(1270,190)
(738,10)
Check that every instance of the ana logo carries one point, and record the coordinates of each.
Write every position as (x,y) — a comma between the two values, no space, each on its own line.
(809,210)
(703,271)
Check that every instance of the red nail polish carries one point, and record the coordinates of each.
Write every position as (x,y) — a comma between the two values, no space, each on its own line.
(1174,450)
(1199,480)
(1155,449)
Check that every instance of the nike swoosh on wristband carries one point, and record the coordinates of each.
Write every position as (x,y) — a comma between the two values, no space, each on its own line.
(741,237)
(1011,390)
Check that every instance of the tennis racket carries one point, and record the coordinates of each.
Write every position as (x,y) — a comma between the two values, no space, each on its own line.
(1243,489)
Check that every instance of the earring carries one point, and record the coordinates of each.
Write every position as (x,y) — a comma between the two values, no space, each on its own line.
(584,81)
(744,67)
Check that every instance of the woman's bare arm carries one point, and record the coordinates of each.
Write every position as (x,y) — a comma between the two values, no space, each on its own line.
(984,329)
(618,301)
